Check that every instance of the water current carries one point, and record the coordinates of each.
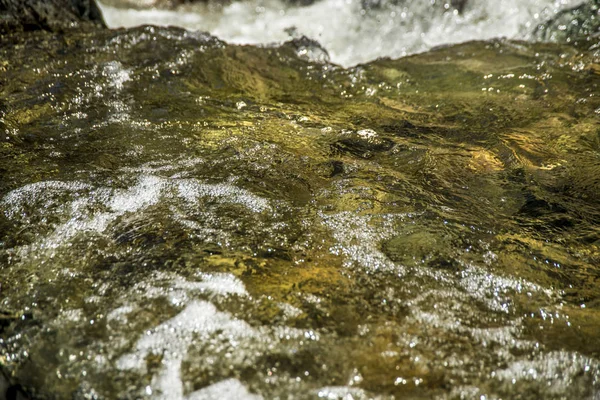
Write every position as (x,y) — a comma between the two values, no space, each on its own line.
(352,31)
(186,218)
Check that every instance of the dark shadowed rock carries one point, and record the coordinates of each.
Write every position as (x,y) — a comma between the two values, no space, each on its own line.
(367,4)
(580,22)
(458,5)
(50,15)
(172,4)
(307,49)
(146,4)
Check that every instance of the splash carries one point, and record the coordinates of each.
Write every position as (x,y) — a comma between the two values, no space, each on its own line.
(354,31)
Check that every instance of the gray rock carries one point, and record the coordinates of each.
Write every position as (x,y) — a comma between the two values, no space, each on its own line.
(435,5)
(581,22)
(161,4)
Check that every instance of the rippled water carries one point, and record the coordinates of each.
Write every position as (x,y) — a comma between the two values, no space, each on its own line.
(188,219)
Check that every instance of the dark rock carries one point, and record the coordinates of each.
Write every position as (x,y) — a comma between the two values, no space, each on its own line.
(537,207)
(459,5)
(306,48)
(581,22)
(172,4)
(161,4)
(362,147)
(436,5)
(50,15)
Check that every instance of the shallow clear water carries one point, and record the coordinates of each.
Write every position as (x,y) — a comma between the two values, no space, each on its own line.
(187,219)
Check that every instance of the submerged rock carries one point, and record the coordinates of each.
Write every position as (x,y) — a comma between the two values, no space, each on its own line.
(182,219)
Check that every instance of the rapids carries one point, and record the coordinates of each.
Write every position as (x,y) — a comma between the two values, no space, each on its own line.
(352,31)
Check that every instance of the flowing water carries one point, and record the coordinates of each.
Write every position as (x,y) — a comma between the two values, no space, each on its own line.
(184,218)
(352,31)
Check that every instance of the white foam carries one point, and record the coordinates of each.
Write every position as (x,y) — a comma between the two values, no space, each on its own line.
(496,290)
(342,393)
(350,34)
(448,314)
(116,74)
(199,322)
(120,313)
(191,190)
(179,290)
(15,202)
(145,193)
(359,240)
(78,204)
(222,284)
(289,311)
(229,389)
(171,339)
(558,368)
(367,133)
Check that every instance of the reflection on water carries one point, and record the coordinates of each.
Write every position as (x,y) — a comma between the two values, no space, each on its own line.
(183,218)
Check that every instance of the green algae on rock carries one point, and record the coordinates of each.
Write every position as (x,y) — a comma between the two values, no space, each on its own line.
(182,218)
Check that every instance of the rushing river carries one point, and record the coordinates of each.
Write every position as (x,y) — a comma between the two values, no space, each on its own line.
(183,218)
(352,31)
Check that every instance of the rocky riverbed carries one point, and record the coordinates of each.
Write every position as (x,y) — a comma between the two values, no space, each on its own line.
(183,218)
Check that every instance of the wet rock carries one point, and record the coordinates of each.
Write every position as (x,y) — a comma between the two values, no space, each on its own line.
(364,144)
(458,5)
(173,4)
(536,207)
(159,4)
(577,23)
(307,49)
(330,168)
(49,15)
(420,247)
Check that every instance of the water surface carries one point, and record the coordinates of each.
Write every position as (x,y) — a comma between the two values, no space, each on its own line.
(188,219)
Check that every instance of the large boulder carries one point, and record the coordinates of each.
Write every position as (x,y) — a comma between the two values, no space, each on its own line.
(50,15)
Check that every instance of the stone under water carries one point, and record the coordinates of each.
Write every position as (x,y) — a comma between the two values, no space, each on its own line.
(182,218)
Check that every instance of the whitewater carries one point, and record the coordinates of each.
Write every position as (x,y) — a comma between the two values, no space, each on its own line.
(352,31)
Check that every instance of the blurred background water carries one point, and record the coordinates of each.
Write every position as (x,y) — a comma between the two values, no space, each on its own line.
(352,31)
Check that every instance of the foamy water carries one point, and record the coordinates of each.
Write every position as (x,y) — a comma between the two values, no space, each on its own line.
(351,33)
